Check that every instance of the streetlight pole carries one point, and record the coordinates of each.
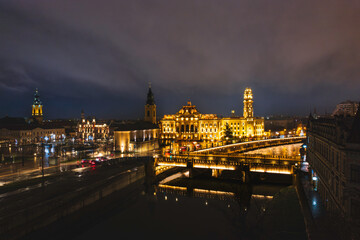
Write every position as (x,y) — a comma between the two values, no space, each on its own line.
(42,164)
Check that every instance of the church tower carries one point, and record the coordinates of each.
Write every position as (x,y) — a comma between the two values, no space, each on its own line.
(150,107)
(248,103)
(37,111)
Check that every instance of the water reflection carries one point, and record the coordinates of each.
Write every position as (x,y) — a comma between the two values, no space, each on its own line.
(200,208)
(244,204)
(174,206)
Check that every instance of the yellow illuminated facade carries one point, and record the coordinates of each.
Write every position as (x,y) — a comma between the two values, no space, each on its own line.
(248,103)
(90,130)
(37,108)
(189,125)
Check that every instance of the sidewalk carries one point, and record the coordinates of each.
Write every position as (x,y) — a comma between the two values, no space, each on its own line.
(319,225)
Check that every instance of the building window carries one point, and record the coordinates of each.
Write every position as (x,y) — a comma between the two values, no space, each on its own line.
(355,173)
(355,208)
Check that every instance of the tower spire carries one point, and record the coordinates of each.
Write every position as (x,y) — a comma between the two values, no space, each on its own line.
(37,111)
(150,96)
(150,107)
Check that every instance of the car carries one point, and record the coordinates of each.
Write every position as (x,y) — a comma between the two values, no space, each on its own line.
(103,159)
(83,161)
(100,159)
(95,162)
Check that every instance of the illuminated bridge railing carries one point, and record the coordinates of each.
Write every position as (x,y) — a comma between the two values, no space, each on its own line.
(253,144)
(235,157)
(243,156)
(255,163)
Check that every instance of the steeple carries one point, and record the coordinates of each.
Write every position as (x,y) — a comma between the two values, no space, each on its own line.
(150,96)
(37,111)
(150,107)
(36,98)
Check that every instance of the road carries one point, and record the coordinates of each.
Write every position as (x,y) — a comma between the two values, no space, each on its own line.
(44,202)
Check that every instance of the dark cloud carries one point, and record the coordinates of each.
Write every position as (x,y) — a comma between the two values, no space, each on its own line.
(99,55)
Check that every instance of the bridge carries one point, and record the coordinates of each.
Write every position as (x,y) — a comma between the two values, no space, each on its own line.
(231,157)
(252,145)
(242,162)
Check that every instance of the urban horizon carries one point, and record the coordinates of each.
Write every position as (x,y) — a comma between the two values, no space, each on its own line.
(50,115)
(200,119)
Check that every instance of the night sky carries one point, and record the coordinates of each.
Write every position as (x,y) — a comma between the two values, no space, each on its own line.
(99,55)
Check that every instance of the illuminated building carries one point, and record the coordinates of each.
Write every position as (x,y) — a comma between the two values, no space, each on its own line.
(37,108)
(32,134)
(90,130)
(150,108)
(19,131)
(346,108)
(333,151)
(138,136)
(189,125)
(248,103)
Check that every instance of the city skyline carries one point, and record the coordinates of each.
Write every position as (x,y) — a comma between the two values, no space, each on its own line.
(100,57)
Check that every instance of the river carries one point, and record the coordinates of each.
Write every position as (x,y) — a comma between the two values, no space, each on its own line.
(183,208)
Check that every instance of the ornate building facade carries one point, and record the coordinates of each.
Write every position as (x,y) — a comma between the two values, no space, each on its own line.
(206,130)
(37,108)
(89,129)
(334,156)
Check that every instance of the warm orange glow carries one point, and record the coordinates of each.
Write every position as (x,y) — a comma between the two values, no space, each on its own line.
(213,192)
(262,196)
(172,187)
(210,166)
(270,170)
(172,164)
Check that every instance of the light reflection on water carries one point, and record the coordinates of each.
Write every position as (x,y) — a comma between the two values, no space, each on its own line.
(183,208)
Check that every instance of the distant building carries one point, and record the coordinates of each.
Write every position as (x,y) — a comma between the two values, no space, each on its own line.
(334,155)
(138,136)
(18,131)
(188,125)
(347,108)
(89,129)
(285,126)
(37,108)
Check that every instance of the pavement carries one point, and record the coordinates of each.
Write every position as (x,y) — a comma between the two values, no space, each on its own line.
(319,223)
